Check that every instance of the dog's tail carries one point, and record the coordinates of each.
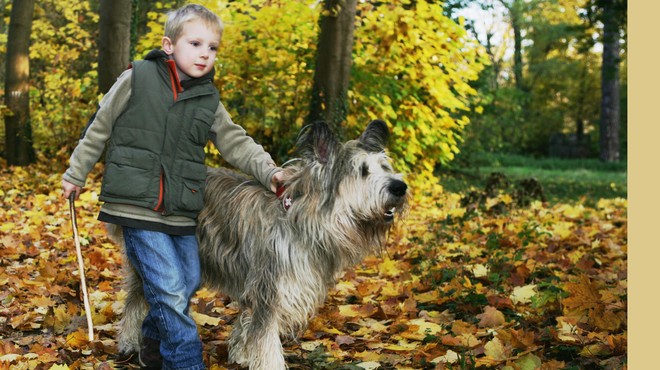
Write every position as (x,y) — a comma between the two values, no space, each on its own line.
(135,310)
(115,234)
(135,306)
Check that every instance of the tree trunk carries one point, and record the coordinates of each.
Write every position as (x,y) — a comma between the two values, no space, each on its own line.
(3,30)
(333,63)
(517,51)
(610,106)
(114,40)
(581,103)
(2,13)
(515,9)
(18,131)
(494,83)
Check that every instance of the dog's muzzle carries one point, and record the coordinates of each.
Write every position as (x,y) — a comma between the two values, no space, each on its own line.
(397,190)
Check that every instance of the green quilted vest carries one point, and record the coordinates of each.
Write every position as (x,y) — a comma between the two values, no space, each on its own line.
(155,156)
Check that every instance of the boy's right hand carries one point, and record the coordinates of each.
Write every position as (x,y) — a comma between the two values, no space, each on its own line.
(70,188)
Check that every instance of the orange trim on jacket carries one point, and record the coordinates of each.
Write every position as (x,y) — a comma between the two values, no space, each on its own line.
(176,89)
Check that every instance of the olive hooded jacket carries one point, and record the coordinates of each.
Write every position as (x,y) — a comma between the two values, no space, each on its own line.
(155,129)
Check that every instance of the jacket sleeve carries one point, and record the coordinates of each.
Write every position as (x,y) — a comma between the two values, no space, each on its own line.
(240,150)
(91,145)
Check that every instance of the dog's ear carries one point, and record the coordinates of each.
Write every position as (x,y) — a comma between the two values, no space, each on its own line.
(317,142)
(374,138)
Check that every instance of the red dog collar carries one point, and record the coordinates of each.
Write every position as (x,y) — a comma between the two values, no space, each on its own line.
(286,201)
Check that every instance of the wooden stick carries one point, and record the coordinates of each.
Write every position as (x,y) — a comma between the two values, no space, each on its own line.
(81,267)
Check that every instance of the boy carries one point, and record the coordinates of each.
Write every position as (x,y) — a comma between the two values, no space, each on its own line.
(155,121)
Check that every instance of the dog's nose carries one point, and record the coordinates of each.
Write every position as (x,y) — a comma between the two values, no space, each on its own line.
(397,187)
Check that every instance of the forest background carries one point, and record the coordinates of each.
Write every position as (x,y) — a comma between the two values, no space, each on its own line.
(509,257)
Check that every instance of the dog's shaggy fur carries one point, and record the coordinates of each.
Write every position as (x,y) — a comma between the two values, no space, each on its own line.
(278,263)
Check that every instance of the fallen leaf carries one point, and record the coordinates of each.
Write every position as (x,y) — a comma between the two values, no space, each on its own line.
(389,267)
(491,318)
(495,350)
(352,310)
(479,270)
(583,295)
(523,294)
(450,357)
(202,319)
(461,327)
(371,365)
(529,362)
(344,339)
(59,367)
(78,339)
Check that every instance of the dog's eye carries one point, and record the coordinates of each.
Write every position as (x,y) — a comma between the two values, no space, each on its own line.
(365,170)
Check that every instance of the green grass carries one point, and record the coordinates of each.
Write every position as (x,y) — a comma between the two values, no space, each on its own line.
(563,180)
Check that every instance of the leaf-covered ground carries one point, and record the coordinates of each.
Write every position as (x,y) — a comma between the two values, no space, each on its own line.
(460,286)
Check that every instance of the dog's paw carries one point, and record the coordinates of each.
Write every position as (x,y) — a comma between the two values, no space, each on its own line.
(238,356)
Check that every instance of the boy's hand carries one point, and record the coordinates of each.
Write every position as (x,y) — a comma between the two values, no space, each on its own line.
(71,188)
(277,179)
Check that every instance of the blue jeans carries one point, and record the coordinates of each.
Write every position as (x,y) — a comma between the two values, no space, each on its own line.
(169,268)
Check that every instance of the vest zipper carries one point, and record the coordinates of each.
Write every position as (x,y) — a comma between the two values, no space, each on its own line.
(176,88)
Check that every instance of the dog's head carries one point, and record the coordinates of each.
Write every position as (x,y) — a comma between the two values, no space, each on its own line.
(353,179)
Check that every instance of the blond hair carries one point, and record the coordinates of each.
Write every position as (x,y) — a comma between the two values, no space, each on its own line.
(176,19)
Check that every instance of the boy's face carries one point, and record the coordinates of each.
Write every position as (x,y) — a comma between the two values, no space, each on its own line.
(195,49)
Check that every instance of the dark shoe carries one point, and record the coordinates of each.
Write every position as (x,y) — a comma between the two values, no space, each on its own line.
(149,357)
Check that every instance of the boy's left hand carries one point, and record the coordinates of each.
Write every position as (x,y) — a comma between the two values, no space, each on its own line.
(277,179)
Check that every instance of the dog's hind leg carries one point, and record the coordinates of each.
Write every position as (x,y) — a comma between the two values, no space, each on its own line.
(135,310)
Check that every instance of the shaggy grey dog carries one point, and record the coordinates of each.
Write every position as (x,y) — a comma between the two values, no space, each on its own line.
(277,257)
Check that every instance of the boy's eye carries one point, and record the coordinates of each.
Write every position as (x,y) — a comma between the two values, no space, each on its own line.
(194,43)
(214,48)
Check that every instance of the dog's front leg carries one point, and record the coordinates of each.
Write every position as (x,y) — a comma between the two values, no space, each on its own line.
(264,347)
(237,340)
(255,341)
(256,334)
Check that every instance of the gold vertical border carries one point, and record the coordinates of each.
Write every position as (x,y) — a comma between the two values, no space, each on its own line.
(643,183)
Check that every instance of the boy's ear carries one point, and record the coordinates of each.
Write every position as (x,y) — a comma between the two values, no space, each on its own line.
(168,46)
